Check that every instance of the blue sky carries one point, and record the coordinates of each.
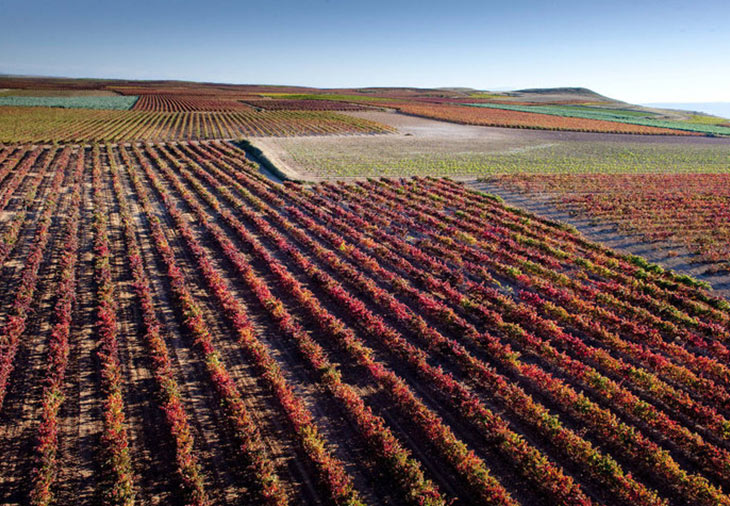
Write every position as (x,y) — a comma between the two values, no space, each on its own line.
(637,50)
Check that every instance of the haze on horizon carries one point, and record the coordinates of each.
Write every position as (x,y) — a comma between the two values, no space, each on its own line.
(641,52)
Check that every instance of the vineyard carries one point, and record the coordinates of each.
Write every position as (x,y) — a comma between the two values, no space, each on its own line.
(29,111)
(498,115)
(616,115)
(304,105)
(41,125)
(187,103)
(178,329)
(693,210)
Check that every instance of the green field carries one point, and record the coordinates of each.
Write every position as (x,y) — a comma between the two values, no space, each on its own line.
(372,157)
(118,102)
(616,115)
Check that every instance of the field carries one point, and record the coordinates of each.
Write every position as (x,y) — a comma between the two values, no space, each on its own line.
(579,110)
(117,102)
(217,298)
(43,125)
(303,105)
(693,210)
(176,328)
(559,109)
(187,103)
(519,119)
(616,115)
(426,147)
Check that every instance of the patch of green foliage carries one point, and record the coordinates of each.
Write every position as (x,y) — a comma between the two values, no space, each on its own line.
(702,119)
(118,103)
(632,113)
(383,159)
(484,94)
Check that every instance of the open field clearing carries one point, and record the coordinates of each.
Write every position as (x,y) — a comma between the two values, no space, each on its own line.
(39,125)
(178,329)
(692,210)
(429,147)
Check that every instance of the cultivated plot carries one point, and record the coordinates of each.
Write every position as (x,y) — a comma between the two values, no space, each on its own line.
(203,335)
